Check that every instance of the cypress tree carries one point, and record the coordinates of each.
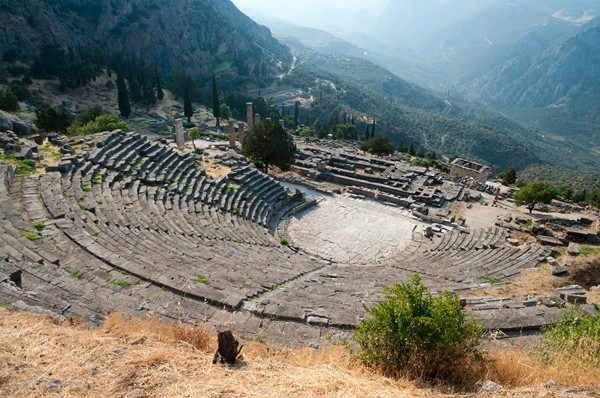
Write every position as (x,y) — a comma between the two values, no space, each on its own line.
(159,91)
(215,100)
(411,149)
(296,104)
(123,96)
(367,136)
(188,111)
(373,129)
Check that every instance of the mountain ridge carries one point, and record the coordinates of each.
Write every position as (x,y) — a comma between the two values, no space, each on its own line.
(193,35)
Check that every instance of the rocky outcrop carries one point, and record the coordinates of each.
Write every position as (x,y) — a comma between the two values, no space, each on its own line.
(13,123)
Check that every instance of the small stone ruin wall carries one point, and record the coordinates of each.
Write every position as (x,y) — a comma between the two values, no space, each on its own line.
(463,168)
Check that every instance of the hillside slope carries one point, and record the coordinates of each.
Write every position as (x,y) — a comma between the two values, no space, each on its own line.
(145,357)
(194,35)
(556,90)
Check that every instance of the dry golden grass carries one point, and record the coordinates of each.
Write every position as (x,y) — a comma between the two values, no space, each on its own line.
(42,358)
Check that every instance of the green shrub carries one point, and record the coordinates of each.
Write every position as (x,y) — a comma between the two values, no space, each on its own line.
(413,334)
(103,122)
(574,338)
(283,240)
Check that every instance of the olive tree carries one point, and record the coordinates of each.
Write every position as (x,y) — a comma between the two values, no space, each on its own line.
(535,193)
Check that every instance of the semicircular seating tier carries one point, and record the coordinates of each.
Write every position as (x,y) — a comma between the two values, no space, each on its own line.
(137,226)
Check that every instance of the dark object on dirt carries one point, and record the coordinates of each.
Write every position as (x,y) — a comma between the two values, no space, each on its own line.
(229,348)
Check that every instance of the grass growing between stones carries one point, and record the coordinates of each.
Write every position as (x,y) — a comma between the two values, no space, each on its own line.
(119,282)
(32,236)
(96,178)
(40,225)
(77,274)
(22,167)
(491,279)
(587,250)
(202,279)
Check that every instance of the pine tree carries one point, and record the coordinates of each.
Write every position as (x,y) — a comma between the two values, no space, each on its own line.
(123,96)
(215,100)
(8,101)
(188,111)
(267,144)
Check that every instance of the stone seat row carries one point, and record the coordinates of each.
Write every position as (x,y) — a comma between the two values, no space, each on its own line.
(155,164)
(107,233)
(473,266)
(475,240)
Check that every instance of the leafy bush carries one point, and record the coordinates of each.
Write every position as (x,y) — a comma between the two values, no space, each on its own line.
(413,334)
(378,146)
(103,122)
(575,337)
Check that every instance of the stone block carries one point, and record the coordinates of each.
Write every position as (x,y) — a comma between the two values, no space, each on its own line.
(558,270)
(573,249)
(573,294)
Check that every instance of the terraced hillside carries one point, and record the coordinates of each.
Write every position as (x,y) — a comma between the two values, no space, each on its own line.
(136,226)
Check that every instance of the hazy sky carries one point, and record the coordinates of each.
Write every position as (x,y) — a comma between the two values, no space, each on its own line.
(340,14)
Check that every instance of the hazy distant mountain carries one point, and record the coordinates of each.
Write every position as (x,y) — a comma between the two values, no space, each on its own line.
(556,89)
(466,37)
(195,35)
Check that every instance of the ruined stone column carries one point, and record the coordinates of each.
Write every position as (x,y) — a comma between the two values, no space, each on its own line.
(282,123)
(179,133)
(257,118)
(231,134)
(249,115)
(241,133)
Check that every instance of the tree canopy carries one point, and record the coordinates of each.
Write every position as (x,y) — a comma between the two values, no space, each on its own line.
(378,145)
(267,143)
(8,101)
(103,122)
(535,193)
(508,176)
(52,119)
